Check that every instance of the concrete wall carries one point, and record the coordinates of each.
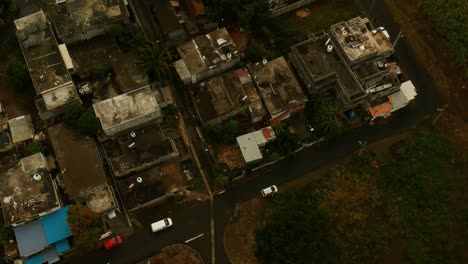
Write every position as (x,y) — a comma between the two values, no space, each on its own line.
(291,7)
(220,68)
(133,123)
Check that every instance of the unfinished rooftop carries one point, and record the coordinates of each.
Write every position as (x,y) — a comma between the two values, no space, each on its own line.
(128,74)
(322,68)
(81,169)
(40,49)
(277,86)
(27,191)
(223,96)
(207,51)
(72,17)
(127,107)
(358,40)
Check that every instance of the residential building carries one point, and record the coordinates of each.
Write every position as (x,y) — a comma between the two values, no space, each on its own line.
(128,74)
(129,110)
(78,20)
(46,63)
(44,239)
(27,191)
(251,143)
(385,106)
(168,21)
(278,88)
(21,128)
(206,56)
(223,96)
(81,172)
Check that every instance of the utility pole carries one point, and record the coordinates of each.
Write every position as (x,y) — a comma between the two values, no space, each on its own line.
(400,35)
(441,111)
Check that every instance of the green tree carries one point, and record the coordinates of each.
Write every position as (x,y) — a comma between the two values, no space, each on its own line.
(230,131)
(296,232)
(101,70)
(155,60)
(88,124)
(285,141)
(221,181)
(212,133)
(85,226)
(35,147)
(18,75)
(73,113)
(324,113)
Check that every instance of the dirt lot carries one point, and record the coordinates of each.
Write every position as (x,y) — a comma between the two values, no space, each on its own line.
(428,46)
(175,254)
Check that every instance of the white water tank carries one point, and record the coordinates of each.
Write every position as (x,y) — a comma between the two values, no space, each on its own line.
(132,134)
(229,56)
(81,91)
(131,145)
(264,61)
(37,177)
(139,180)
(329,48)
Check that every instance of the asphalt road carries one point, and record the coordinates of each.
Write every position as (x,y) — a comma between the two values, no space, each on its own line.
(196,220)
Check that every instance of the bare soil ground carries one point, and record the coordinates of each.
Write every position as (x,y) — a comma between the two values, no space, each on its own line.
(451,80)
(175,254)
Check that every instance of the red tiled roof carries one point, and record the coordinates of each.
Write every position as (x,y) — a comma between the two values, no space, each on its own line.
(381,109)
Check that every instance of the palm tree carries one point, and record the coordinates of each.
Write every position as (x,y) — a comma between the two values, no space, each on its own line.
(326,115)
(155,60)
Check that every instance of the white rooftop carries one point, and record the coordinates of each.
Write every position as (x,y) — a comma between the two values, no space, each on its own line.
(21,128)
(249,148)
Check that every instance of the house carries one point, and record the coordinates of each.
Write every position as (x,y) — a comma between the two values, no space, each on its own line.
(46,63)
(129,110)
(21,128)
(278,88)
(393,102)
(206,56)
(27,191)
(81,172)
(78,20)
(251,143)
(44,239)
(168,21)
(223,96)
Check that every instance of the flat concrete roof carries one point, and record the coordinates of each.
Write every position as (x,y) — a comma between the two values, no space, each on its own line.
(277,85)
(80,165)
(126,107)
(225,94)
(128,73)
(40,49)
(21,128)
(79,16)
(359,40)
(24,198)
(249,148)
(206,51)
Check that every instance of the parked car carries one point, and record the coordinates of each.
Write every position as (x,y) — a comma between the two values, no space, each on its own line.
(113,242)
(269,191)
(161,224)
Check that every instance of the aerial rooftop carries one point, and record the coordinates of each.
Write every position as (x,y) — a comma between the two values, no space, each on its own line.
(27,190)
(225,95)
(126,107)
(77,16)
(128,74)
(40,49)
(324,66)
(21,128)
(359,40)
(81,169)
(206,51)
(277,85)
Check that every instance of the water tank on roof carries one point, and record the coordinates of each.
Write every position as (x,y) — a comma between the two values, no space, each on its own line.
(329,48)
(131,145)
(229,56)
(139,180)
(37,177)
(264,61)
(132,134)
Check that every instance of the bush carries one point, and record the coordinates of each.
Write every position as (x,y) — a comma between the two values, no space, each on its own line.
(88,124)
(101,70)
(73,113)
(18,75)
(212,133)
(35,147)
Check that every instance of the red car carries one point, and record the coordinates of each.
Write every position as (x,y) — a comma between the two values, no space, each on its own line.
(113,242)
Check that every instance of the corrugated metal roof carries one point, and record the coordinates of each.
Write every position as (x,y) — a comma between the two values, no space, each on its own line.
(30,238)
(55,225)
(249,148)
(398,100)
(381,109)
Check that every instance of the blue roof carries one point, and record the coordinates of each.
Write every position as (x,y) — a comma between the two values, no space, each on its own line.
(36,259)
(62,246)
(55,226)
(30,238)
(50,255)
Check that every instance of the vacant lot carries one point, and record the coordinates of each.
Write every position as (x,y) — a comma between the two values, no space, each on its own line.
(175,254)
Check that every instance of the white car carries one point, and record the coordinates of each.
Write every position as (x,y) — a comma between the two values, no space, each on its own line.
(161,224)
(269,191)
(383,30)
